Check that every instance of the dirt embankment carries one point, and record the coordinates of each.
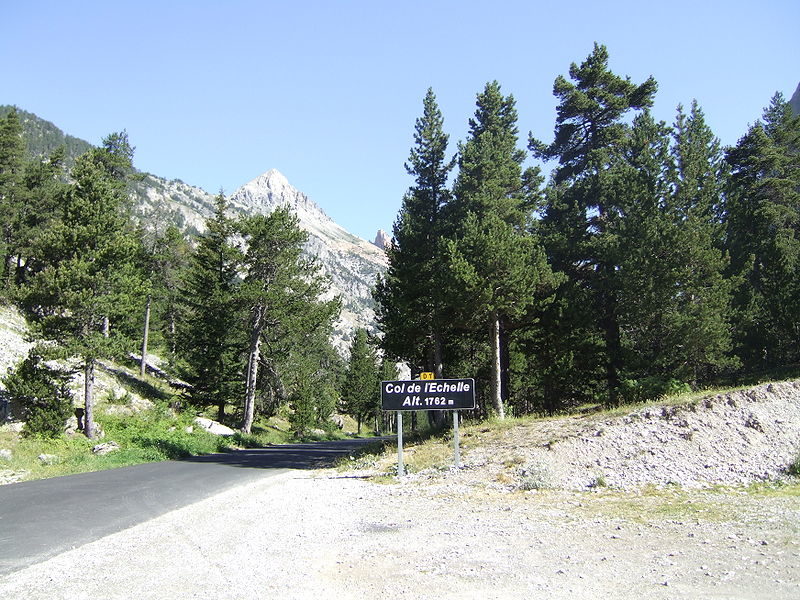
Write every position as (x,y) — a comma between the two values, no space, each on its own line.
(726,439)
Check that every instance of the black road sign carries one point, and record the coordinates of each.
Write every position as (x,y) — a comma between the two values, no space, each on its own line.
(432,394)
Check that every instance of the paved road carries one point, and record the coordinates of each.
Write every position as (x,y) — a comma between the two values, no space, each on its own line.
(40,519)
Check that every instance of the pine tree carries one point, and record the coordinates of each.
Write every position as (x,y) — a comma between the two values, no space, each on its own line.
(210,332)
(763,238)
(169,257)
(278,283)
(12,165)
(590,136)
(411,305)
(43,394)
(88,278)
(701,330)
(361,384)
(498,271)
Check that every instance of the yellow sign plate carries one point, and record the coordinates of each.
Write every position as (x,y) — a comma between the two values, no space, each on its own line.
(426,376)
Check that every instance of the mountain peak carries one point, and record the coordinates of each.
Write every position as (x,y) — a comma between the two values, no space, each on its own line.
(273,179)
(270,190)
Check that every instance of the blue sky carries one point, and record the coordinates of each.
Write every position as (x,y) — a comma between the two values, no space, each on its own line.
(216,93)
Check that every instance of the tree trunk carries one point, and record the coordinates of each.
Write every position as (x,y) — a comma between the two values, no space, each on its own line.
(505,363)
(145,335)
(437,418)
(106,327)
(252,369)
(497,400)
(88,399)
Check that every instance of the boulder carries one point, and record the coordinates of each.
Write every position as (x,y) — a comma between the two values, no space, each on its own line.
(105,448)
(213,427)
(48,459)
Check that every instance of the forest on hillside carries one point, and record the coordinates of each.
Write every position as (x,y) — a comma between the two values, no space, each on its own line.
(235,312)
(651,261)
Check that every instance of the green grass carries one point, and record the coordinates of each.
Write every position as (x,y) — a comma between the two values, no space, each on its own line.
(147,436)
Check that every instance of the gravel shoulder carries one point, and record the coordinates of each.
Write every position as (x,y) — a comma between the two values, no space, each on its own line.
(486,531)
(329,535)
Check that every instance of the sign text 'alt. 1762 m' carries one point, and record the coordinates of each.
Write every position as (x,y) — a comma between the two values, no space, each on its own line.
(436,394)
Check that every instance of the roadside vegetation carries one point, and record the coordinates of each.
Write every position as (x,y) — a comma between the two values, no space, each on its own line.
(144,421)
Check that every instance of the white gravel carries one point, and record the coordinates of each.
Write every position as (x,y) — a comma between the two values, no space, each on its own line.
(475,533)
(328,535)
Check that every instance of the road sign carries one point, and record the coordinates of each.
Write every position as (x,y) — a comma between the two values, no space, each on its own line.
(427,375)
(435,394)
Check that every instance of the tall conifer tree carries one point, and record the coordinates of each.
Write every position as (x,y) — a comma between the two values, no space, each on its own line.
(498,269)
(12,164)
(590,135)
(411,303)
(89,275)
(763,237)
(210,333)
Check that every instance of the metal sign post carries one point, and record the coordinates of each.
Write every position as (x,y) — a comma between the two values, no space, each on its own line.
(456,449)
(400,466)
(427,394)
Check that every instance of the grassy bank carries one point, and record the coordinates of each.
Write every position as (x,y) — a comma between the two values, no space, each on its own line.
(151,435)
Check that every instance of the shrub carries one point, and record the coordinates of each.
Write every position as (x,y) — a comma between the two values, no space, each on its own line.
(651,388)
(794,468)
(42,394)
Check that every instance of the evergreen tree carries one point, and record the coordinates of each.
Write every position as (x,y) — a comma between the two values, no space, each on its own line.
(763,238)
(361,384)
(411,301)
(45,187)
(210,331)
(88,277)
(590,136)
(43,394)
(278,283)
(701,329)
(12,164)
(499,274)
(169,257)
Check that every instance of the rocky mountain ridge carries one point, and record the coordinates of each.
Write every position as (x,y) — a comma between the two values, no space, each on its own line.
(351,263)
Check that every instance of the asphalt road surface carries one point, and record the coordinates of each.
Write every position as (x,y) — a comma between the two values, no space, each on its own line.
(43,518)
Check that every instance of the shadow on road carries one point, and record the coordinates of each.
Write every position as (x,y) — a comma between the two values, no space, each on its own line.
(38,519)
(314,455)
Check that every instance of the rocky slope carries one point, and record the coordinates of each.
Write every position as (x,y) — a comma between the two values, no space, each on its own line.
(734,438)
(351,263)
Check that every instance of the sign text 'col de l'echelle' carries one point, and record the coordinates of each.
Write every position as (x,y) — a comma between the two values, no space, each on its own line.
(427,394)
(432,394)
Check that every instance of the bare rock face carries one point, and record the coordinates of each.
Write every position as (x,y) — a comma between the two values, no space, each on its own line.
(382,239)
(794,102)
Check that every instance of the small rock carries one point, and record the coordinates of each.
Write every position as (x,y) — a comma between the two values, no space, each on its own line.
(48,459)
(105,448)
(5,454)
